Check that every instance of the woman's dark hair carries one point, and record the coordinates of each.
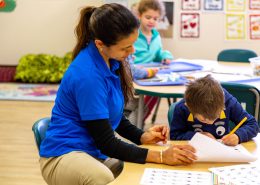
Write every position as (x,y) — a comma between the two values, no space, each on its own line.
(109,23)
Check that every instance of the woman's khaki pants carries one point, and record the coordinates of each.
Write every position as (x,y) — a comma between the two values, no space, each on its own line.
(79,168)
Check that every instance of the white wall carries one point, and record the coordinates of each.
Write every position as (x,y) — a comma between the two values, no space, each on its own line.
(211,41)
(39,26)
(47,26)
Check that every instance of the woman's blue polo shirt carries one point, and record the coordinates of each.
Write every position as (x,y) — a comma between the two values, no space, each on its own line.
(89,91)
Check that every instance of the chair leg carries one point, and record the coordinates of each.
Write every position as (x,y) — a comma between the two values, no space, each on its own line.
(169,101)
(157,108)
(155,111)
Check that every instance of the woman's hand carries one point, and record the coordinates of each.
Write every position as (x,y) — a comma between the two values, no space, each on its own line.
(231,140)
(155,134)
(179,155)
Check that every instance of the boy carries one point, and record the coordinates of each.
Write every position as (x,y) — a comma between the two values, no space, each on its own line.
(208,108)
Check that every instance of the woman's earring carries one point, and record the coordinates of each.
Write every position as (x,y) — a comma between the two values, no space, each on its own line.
(101,49)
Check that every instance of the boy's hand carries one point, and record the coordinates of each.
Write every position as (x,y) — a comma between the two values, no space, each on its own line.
(179,155)
(155,134)
(166,61)
(208,134)
(231,140)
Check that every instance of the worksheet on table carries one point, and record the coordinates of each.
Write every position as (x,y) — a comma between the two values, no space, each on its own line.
(211,150)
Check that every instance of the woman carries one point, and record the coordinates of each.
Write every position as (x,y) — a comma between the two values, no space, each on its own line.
(89,107)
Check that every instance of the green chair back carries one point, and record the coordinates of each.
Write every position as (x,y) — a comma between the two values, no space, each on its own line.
(39,129)
(236,55)
(170,112)
(248,96)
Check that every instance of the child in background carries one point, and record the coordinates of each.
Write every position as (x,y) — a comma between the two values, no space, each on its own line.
(140,73)
(131,109)
(208,108)
(134,9)
(148,46)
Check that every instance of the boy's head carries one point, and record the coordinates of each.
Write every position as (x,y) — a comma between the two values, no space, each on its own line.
(149,13)
(205,99)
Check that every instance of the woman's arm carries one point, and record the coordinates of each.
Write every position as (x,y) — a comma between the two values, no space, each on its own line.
(129,131)
(106,141)
(108,144)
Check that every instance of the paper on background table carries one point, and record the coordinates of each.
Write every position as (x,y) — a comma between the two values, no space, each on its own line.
(210,150)
(237,70)
(155,176)
(227,77)
(221,73)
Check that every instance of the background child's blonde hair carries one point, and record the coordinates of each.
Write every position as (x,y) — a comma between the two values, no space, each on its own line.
(156,5)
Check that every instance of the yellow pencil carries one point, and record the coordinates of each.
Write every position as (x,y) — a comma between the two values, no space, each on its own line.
(238,125)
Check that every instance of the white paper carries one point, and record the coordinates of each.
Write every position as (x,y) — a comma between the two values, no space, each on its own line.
(238,174)
(221,73)
(210,150)
(234,70)
(154,176)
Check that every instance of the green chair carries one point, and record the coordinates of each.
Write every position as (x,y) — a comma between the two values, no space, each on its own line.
(248,96)
(39,129)
(170,112)
(236,55)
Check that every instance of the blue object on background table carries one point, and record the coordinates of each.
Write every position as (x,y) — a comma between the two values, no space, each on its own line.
(173,67)
(159,82)
(247,80)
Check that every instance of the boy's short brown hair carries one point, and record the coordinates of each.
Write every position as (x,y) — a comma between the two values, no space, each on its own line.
(205,96)
(145,5)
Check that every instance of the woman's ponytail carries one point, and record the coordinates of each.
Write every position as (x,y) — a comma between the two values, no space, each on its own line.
(83,30)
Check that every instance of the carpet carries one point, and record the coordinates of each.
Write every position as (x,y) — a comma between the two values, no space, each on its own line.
(28,92)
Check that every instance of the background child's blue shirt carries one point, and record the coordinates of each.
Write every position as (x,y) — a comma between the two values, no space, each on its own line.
(184,126)
(89,91)
(153,52)
(137,72)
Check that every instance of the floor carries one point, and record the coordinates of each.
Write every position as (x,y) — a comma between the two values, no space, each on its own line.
(18,153)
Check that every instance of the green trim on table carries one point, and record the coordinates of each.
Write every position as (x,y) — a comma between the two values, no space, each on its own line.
(158,94)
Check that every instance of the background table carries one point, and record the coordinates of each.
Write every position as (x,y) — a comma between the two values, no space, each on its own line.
(178,90)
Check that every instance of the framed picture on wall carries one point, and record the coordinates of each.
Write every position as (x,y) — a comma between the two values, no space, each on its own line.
(213,5)
(235,27)
(254,4)
(254,29)
(236,5)
(190,4)
(7,5)
(165,24)
(190,25)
